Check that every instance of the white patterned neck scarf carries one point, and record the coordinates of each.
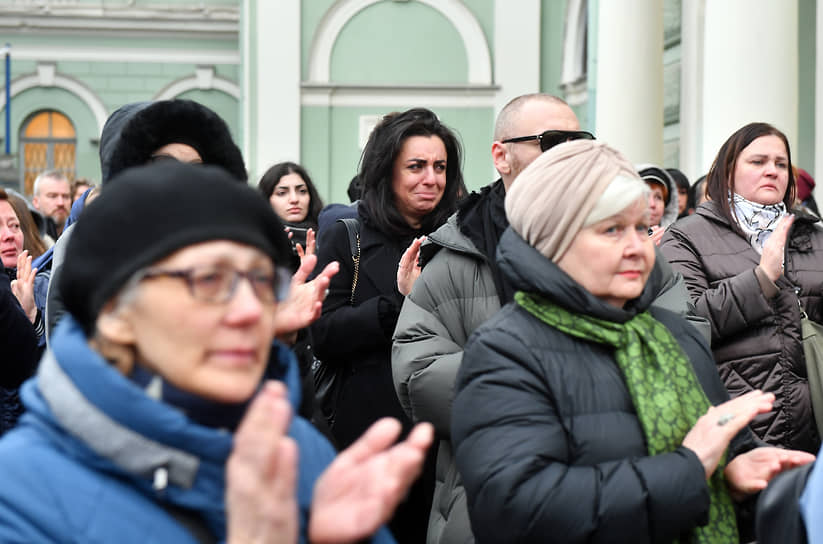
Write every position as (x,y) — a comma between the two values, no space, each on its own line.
(757,221)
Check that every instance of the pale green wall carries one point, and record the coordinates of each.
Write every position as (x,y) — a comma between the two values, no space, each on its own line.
(330,145)
(803,152)
(408,43)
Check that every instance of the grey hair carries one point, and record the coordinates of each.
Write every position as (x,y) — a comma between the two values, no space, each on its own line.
(621,193)
(126,296)
(507,117)
(55,174)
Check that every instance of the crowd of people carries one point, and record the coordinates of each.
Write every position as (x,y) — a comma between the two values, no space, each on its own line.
(584,350)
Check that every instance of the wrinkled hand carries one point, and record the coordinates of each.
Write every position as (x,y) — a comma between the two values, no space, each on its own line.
(362,487)
(709,440)
(261,473)
(408,270)
(657,234)
(304,302)
(23,286)
(751,472)
(771,260)
(311,245)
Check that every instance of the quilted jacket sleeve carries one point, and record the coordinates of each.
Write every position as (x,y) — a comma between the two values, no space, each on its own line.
(732,305)
(513,452)
(450,298)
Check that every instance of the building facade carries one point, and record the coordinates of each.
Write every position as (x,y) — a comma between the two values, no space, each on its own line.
(665,81)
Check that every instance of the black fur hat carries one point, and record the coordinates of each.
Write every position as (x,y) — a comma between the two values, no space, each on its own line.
(135,131)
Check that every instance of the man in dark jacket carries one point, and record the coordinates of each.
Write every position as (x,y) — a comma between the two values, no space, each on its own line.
(461,286)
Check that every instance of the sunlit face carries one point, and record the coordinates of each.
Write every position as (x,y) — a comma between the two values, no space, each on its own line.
(535,117)
(612,259)
(761,173)
(11,235)
(53,199)
(657,204)
(215,350)
(419,177)
(181,152)
(290,199)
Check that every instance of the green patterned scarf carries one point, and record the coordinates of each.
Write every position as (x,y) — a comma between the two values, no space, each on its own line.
(664,389)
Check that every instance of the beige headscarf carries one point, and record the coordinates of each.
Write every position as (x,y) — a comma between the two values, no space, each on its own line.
(550,200)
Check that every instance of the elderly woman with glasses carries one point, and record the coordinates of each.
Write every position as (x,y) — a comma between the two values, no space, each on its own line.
(582,413)
(160,413)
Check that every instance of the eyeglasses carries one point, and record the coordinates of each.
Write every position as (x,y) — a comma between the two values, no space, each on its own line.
(551,138)
(218,284)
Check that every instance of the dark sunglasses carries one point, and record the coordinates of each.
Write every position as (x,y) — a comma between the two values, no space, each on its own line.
(551,138)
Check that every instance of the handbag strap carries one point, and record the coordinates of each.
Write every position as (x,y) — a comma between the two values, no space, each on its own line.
(353,232)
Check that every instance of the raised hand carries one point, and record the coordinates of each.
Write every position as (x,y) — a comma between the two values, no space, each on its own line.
(261,473)
(710,436)
(771,260)
(359,491)
(311,245)
(23,286)
(304,302)
(751,472)
(408,270)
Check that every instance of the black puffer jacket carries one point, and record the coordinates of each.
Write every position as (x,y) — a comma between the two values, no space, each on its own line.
(547,438)
(755,335)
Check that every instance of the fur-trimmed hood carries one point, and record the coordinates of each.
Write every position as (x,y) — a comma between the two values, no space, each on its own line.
(135,130)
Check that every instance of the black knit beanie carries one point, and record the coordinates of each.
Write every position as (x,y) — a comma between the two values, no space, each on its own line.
(149,213)
(135,131)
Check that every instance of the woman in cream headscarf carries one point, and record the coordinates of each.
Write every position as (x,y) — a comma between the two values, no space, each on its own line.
(604,404)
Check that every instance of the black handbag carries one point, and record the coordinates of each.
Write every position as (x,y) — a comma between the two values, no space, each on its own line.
(329,378)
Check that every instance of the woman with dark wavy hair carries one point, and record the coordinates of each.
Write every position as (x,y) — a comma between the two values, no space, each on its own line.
(751,260)
(410,174)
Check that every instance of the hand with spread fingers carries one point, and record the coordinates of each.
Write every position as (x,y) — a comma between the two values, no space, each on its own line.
(261,473)
(751,472)
(359,491)
(23,286)
(771,261)
(408,270)
(304,302)
(713,432)
(311,245)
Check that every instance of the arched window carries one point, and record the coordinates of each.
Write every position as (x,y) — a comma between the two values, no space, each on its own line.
(48,142)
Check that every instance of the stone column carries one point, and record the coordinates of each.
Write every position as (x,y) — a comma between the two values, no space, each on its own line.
(629,94)
(271,83)
(749,69)
(516,49)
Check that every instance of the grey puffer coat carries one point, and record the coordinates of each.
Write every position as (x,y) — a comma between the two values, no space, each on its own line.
(546,436)
(453,296)
(756,336)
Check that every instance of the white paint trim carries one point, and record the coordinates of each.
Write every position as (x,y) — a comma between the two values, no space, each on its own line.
(86,95)
(691,88)
(204,79)
(124,54)
(477,48)
(399,97)
(245,103)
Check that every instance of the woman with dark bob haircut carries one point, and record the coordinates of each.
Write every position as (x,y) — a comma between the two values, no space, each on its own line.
(410,171)
(752,265)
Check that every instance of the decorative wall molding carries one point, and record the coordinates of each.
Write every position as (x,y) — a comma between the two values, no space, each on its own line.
(120,20)
(46,76)
(477,48)
(204,79)
(136,54)
(448,96)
